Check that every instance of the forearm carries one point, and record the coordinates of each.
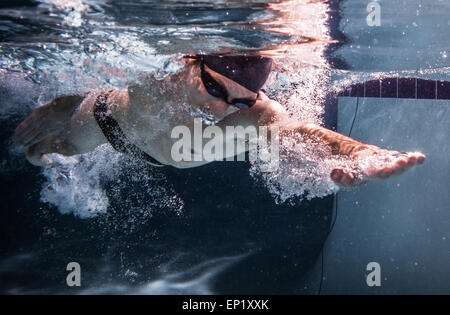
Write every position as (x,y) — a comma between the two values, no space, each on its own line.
(338,143)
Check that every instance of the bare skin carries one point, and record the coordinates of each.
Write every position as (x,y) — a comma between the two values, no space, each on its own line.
(67,126)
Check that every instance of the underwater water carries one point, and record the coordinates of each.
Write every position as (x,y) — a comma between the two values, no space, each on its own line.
(225,227)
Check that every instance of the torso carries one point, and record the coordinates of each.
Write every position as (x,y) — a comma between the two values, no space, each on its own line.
(153,109)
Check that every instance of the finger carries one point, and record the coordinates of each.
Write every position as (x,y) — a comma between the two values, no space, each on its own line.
(26,135)
(342,177)
(34,139)
(26,126)
(416,157)
(336,174)
(22,137)
(401,164)
(385,172)
(347,179)
(37,158)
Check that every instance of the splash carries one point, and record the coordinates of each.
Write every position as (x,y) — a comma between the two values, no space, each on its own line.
(303,172)
(81,185)
(73,183)
(300,81)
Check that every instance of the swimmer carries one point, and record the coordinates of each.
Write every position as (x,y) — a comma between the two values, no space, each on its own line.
(139,120)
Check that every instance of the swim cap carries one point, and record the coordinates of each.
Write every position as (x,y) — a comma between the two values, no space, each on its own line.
(249,71)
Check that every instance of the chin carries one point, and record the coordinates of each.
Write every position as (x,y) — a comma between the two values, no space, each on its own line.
(226,112)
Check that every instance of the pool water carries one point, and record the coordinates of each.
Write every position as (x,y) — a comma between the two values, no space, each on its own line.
(219,228)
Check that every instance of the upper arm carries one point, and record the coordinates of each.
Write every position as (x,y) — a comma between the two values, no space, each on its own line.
(118,100)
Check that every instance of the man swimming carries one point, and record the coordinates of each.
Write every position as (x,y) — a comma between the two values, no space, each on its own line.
(139,120)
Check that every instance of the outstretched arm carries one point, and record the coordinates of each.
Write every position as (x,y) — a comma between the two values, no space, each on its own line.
(369,161)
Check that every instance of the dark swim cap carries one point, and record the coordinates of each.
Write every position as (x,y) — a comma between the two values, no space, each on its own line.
(249,71)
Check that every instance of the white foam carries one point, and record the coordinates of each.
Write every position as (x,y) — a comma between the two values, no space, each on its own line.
(73,183)
(77,185)
(304,167)
(303,171)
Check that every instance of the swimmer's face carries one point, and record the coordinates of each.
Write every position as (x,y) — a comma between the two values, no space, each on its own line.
(217,106)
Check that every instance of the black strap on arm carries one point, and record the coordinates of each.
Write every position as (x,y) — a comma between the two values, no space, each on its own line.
(114,134)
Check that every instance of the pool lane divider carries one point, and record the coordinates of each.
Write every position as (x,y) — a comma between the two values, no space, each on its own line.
(409,88)
(400,88)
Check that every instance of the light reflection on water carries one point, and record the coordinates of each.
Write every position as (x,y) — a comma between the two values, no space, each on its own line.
(113,37)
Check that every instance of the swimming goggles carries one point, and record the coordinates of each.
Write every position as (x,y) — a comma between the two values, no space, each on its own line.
(215,89)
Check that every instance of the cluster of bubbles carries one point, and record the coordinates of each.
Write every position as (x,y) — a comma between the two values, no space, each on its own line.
(303,170)
(84,185)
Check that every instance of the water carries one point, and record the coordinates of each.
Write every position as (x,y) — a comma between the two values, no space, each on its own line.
(137,229)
